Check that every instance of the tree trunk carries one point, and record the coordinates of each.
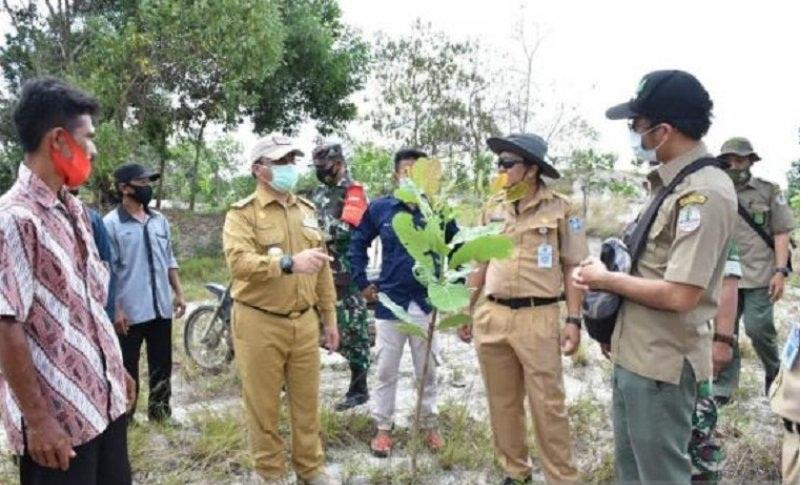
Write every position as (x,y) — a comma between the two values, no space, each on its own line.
(415,438)
(161,169)
(193,182)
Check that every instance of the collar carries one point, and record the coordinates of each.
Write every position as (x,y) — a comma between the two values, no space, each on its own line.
(665,173)
(264,197)
(542,193)
(37,187)
(125,216)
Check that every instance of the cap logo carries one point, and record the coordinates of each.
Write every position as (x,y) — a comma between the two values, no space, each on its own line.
(641,86)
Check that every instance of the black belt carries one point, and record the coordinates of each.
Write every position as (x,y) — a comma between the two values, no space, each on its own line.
(792,426)
(531,301)
(291,315)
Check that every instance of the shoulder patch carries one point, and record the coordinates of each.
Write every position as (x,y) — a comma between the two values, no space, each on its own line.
(689,218)
(243,202)
(692,198)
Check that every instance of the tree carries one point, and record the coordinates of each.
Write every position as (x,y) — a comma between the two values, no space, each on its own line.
(430,93)
(591,171)
(372,165)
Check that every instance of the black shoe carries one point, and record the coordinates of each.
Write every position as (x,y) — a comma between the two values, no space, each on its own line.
(351,400)
(514,481)
(721,400)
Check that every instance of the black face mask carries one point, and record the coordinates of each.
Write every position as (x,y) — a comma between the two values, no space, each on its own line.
(142,194)
(326,175)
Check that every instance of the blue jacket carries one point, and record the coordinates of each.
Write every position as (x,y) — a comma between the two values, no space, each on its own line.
(396,279)
(103,245)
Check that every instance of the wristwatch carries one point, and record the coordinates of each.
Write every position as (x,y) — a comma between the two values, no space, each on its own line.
(726,339)
(286,263)
(575,321)
(784,271)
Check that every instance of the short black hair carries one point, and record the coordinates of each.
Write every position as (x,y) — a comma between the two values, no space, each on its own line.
(408,154)
(693,128)
(47,103)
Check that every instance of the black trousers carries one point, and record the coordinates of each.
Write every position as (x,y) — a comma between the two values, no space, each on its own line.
(158,336)
(102,460)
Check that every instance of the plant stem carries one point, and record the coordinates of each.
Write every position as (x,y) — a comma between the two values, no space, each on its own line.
(421,386)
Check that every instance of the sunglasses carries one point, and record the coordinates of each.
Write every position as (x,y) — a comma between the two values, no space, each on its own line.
(506,164)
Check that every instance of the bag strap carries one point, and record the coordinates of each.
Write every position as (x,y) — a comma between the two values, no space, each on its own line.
(637,239)
(767,238)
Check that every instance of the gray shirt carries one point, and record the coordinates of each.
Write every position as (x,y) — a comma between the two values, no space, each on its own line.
(141,270)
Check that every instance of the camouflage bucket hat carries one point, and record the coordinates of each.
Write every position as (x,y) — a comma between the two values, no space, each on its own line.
(739,146)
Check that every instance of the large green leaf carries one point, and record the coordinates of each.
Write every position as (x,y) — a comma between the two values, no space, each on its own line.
(418,242)
(427,173)
(470,233)
(448,297)
(454,321)
(483,249)
(399,312)
(412,329)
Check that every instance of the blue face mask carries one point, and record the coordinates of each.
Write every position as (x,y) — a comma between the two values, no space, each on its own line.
(284,177)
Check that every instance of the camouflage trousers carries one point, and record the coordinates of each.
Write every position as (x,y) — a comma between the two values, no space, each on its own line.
(353,330)
(706,454)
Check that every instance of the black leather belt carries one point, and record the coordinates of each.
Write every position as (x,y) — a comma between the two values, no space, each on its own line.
(531,301)
(291,315)
(792,426)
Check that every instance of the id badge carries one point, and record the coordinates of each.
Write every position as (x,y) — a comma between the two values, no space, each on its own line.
(545,256)
(792,347)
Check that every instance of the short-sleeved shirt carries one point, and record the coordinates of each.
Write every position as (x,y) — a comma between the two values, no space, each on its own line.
(547,223)
(259,230)
(53,282)
(142,257)
(687,244)
(765,202)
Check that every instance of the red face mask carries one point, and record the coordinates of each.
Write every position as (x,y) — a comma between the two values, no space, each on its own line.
(74,169)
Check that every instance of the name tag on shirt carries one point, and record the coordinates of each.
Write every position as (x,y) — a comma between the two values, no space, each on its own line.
(544,256)
(792,347)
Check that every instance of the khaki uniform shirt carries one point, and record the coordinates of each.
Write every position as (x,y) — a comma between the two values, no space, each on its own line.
(785,394)
(687,244)
(766,204)
(258,231)
(548,220)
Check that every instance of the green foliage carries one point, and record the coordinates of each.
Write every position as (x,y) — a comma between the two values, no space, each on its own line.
(594,172)
(454,321)
(794,186)
(165,71)
(372,165)
(427,246)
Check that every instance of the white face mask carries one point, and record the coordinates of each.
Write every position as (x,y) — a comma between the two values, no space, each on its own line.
(636,140)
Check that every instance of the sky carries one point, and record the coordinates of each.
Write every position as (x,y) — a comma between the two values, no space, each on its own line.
(747,54)
(595,52)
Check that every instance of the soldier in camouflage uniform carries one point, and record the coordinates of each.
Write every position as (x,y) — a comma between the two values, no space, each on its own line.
(340,203)
(706,453)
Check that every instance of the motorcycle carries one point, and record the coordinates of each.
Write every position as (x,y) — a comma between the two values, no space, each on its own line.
(207,333)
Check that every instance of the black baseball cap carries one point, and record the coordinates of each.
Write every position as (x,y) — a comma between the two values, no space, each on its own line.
(408,154)
(131,171)
(668,95)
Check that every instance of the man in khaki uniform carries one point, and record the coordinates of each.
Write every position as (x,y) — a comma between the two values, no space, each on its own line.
(281,286)
(785,400)
(765,268)
(516,331)
(662,338)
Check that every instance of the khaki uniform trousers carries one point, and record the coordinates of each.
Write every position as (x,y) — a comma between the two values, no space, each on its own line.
(790,459)
(270,351)
(520,355)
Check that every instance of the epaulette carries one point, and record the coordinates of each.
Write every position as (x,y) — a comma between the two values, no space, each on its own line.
(561,196)
(243,202)
(306,202)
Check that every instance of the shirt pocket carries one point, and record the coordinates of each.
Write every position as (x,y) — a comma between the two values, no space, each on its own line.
(760,212)
(539,232)
(313,237)
(270,239)
(164,244)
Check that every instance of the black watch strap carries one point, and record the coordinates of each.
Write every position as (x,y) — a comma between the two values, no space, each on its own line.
(784,271)
(577,321)
(286,264)
(727,339)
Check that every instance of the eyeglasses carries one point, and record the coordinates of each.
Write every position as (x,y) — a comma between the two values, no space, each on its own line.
(506,164)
